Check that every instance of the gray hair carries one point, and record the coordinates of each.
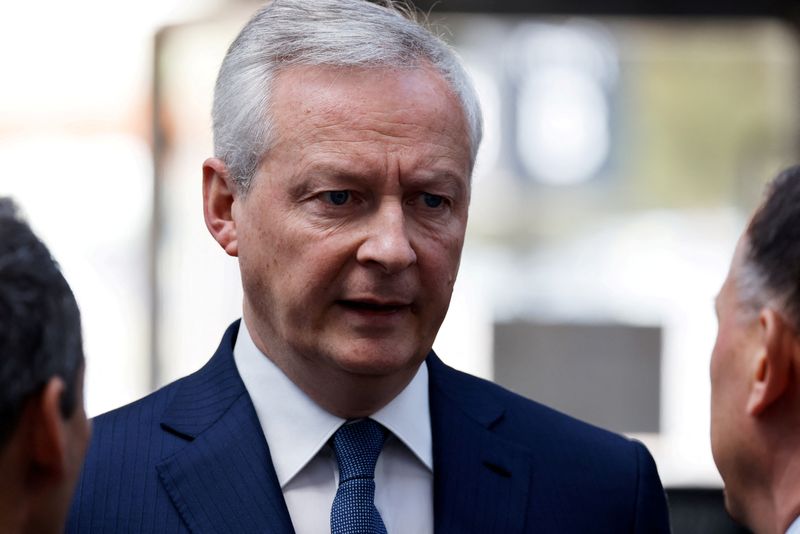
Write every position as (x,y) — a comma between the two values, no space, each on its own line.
(337,33)
(770,265)
(756,293)
(752,288)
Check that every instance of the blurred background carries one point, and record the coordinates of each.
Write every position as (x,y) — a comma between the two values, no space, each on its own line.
(624,149)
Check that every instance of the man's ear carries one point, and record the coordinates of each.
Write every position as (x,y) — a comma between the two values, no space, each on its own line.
(773,363)
(218,198)
(48,433)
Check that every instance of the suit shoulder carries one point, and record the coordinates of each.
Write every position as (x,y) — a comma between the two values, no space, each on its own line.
(525,420)
(217,377)
(148,407)
(573,461)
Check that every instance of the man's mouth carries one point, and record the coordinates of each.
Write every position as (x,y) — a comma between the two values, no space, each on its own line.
(369,306)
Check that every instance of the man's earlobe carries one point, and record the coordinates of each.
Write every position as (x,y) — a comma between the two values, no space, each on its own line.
(773,364)
(48,445)
(218,199)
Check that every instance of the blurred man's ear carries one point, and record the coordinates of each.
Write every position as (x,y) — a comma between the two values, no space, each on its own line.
(48,433)
(773,363)
(218,198)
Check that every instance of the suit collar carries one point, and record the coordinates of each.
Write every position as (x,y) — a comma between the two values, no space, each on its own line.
(223,479)
(481,481)
(454,387)
(205,396)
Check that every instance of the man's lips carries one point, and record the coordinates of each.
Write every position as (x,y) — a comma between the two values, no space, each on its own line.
(374,306)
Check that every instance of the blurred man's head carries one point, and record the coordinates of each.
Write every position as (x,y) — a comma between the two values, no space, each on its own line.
(755,366)
(43,426)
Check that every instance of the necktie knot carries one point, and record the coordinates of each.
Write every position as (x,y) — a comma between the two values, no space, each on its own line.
(357,447)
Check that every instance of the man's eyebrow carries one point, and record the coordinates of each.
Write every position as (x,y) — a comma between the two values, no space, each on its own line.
(324,177)
(449,179)
(346,171)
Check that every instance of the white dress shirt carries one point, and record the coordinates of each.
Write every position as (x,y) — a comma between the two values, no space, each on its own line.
(794,528)
(297,432)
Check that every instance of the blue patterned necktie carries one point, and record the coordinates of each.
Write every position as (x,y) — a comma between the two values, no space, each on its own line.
(357,446)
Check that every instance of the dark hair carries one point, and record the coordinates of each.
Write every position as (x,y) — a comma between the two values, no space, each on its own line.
(40,326)
(773,237)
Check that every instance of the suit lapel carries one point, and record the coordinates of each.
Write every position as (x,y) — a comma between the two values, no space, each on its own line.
(481,482)
(223,479)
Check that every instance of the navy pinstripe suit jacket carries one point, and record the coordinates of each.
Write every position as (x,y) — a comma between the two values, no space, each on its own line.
(191,457)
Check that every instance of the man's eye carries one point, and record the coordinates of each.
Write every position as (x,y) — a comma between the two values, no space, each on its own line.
(432,201)
(337,198)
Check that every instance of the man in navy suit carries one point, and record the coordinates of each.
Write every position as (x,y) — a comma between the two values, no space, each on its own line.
(345,136)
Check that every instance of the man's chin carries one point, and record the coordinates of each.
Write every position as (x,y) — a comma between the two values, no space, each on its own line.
(382,362)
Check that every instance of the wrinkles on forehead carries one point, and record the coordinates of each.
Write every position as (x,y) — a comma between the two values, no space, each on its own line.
(337,112)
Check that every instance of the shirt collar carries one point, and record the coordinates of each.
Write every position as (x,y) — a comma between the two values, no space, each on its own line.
(794,528)
(296,428)
(409,419)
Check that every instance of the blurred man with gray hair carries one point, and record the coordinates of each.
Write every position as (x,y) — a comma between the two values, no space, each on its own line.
(43,426)
(345,136)
(755,367)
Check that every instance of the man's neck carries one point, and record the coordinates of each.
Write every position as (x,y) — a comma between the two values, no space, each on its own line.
(12,509)
(343,394)
(13,505)
(347,396)
(787,507)
(785,490)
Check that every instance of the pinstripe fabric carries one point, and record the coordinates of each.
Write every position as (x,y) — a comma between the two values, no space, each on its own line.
(192,458)
(503,463)
(116,492)
(189,458)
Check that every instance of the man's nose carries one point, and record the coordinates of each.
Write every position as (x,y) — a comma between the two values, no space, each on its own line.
(387,243)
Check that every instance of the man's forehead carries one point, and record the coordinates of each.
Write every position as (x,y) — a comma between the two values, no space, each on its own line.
(401,109)
(318,86)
